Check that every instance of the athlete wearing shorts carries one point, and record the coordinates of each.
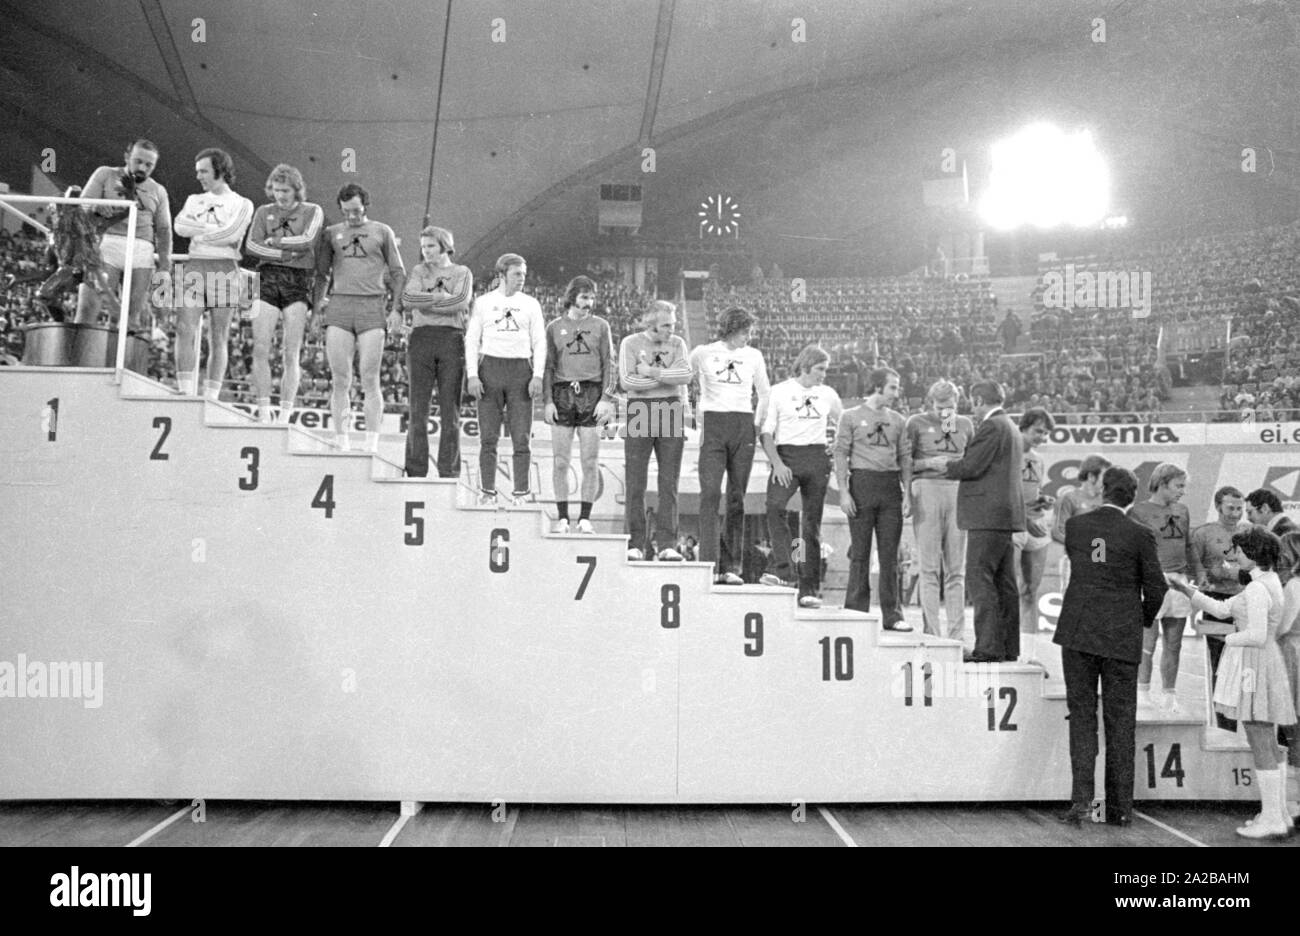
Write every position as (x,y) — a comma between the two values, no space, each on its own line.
(357,314)
(576,402)
(153,232)
(579,392)
(283,239)
(359,262)
(215,222)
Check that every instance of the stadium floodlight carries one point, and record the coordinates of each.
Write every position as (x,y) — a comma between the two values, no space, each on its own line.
(1046,177)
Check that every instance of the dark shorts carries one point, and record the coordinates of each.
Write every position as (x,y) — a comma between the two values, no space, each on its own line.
(575,403)
(282,286)
(356,314)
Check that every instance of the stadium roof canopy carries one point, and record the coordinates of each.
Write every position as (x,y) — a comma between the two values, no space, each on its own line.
(823,142)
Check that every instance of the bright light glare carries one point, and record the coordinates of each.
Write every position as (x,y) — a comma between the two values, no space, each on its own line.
(1046,177)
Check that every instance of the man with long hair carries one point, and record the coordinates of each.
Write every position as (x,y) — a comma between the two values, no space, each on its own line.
(734,388)
(578,387)
(283,240)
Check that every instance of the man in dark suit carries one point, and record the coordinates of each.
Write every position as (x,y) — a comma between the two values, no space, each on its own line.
(990,508)
(1116,589)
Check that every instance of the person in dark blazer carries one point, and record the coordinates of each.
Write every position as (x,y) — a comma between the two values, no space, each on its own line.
(1264,508)
(990,508)
(1116,590)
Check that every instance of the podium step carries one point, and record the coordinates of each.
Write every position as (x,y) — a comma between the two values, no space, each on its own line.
(274,617)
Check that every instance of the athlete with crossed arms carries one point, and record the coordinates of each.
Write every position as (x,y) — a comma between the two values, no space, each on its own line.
(283,239)
(215,221)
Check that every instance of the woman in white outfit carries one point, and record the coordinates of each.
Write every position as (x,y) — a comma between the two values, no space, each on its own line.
(1253,686)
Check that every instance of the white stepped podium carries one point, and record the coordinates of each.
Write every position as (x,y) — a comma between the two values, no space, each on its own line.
(207,607)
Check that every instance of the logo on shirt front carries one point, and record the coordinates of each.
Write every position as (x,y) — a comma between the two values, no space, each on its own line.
(283,229)
(210,216)
(808,409)
(1029,474)
(659,359)
(507,321)
(729,374)
(355,248)
(1172,529)
(879,435)
(578,343)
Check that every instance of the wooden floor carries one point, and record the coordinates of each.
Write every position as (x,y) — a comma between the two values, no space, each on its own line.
(368,825)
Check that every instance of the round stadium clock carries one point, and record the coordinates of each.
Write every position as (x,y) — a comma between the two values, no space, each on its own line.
(719,215)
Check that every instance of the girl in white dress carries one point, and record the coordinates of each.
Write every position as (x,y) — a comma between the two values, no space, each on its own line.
(1253,686)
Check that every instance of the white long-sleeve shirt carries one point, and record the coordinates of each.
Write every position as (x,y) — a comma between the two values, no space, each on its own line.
(215,224)
(503,326)
(728,377)
(799,415)
(1256,610)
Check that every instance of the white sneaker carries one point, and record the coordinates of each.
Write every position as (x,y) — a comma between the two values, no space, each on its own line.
(519,499)
(728,578)
(343,441)
(635,555)
(810,601)
(584,526)
(767,578)
(668,554)
(561,526)
(1169,705)
(1145,704)
(487,498)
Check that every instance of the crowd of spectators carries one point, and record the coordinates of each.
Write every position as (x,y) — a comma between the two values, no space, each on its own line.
(1201,285)
(930,327)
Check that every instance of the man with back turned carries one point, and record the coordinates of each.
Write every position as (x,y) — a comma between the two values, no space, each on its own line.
(1116,590)
(991,509)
